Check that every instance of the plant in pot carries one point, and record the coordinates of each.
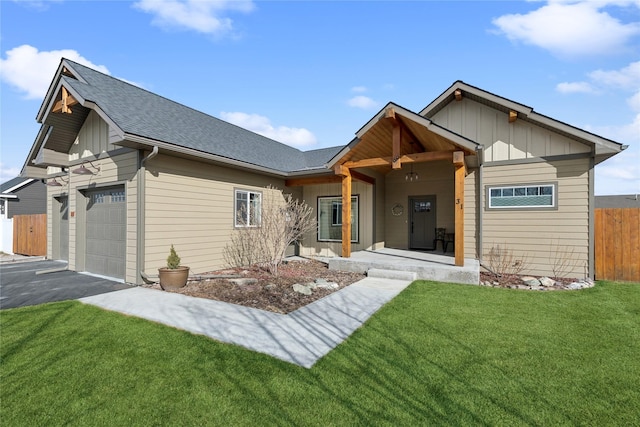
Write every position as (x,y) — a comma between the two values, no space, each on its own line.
(173,276)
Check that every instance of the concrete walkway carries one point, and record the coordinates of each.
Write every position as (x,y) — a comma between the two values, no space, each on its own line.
(301,337)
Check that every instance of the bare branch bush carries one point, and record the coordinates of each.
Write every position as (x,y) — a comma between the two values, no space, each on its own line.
(563,260)
(283,221)
(502,261)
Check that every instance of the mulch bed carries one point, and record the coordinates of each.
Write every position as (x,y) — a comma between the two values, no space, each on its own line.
(269,292)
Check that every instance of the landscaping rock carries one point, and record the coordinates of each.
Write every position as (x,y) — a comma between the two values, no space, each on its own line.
(530,281)
(302,289)
(243,281)
(547,282)
(324,284)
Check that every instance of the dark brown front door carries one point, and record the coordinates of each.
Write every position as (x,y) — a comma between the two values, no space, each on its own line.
(422,222)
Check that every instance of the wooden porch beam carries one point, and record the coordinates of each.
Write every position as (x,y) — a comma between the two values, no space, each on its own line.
(460,173)
(427,156)
(328,179)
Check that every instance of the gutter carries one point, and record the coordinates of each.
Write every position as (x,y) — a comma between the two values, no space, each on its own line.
(480,154)
(140,207)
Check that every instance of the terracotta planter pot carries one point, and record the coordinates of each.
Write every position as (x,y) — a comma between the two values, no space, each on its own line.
(173,278)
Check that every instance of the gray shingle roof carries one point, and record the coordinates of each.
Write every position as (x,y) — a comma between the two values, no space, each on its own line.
(11,183)
(139,112)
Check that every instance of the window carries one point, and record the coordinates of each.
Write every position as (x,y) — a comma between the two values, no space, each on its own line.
(118,197)
(330,219)
(248,208)
(522,196)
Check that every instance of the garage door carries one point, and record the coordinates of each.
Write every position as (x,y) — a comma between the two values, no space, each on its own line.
(106,232)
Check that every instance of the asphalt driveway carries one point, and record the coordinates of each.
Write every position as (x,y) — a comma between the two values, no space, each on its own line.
(21,286)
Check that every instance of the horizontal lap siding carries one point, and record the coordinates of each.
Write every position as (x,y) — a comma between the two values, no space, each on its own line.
(471,215)
(311,245)
(538,236)
(191,205)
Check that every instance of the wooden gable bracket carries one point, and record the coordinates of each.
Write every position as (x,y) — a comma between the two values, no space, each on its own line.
(64,105)
(513,116)
(458,94)
(390,114)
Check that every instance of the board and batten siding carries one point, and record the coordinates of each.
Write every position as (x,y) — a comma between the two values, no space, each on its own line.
(311,246)
(191,205)
(538,237)
(92,140)
(120,169)
(503,140)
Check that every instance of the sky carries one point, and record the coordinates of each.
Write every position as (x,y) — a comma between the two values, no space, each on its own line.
(311,74)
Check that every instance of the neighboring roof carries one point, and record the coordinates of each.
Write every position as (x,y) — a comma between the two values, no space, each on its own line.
(14,184)
(619,201)
(604,148)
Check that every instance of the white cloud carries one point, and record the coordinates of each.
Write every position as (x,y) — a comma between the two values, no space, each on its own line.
(7,173)
(625,78)
(31,71)
(571,28)
(362,101)
(296,137)
(203,16)
(359,89)
(575,87)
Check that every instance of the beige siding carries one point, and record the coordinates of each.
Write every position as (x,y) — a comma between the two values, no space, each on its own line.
(191,205)
(311,246)
(504,140)
(436,178)
(536,235)
(93,138)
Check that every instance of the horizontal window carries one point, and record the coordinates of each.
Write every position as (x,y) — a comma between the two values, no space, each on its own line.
(330,219)
(522,196)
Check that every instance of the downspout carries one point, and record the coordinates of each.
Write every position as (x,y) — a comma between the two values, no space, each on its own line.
(140,224)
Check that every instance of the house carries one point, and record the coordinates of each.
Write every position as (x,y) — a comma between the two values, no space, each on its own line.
(19,196)
(618,201)
(140,172)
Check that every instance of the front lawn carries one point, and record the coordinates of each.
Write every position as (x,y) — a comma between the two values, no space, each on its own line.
(437,354)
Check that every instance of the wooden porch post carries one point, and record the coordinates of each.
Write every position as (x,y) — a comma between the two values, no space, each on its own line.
(458,162)
(346,213)
(345,173)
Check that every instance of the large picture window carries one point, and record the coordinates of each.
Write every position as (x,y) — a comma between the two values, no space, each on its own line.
(248,208)
(330,219)
(522,196)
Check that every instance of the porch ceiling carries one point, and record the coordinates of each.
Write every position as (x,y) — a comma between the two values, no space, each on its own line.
(377,141)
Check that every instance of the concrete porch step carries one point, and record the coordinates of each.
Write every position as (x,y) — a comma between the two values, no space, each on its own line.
(392,274)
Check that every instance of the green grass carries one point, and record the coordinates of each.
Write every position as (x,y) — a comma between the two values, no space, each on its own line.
(437,354)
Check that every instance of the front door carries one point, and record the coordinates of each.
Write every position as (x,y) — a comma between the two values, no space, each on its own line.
(422,222)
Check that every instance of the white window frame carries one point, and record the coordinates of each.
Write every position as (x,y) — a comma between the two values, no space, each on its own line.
(336,203)
(525,198)
(245,221)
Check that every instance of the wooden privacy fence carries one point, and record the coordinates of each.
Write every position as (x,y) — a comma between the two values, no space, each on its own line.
(30,234)
(617,244)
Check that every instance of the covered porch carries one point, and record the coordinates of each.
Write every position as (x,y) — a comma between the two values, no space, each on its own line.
(426,265)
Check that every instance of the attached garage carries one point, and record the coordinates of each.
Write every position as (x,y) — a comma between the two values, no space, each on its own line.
(105,245)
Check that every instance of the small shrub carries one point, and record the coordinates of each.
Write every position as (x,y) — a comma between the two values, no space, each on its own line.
(173,260)
(502,261)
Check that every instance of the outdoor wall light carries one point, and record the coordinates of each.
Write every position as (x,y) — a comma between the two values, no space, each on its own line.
(83,170)
(55,182)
